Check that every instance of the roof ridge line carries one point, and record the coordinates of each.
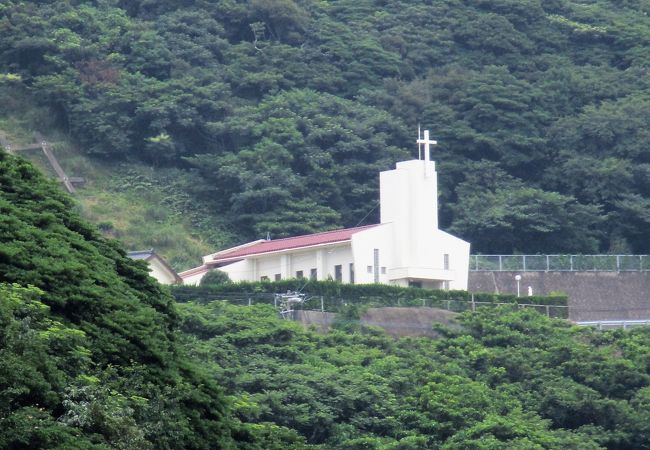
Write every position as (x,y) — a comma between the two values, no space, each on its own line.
(323,232)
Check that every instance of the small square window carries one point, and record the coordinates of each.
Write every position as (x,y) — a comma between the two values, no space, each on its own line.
(264,278)
(299,274)
(278,277)
(369,269)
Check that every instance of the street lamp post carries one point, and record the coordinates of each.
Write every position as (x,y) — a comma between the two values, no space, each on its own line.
(518,279)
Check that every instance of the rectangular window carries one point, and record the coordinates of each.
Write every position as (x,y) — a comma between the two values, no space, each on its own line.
(383,270)
(369,269)
(313,274)
(299,274)
(376,263)
(446,261)
(338,273)
(445,285)
(415,284)
(264,278)
(278,277)
(351,273)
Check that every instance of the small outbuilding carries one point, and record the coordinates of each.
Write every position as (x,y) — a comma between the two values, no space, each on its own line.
(158,267)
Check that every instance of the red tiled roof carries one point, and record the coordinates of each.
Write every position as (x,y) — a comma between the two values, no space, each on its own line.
(308,240)
(193,271)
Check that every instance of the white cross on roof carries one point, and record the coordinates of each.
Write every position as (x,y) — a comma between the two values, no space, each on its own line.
(427,142)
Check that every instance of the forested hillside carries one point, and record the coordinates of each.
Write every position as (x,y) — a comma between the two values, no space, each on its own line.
(89,356)
(283,111)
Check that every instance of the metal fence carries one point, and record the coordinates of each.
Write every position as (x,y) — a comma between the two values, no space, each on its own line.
(559,263)
(608,324)
(336,304)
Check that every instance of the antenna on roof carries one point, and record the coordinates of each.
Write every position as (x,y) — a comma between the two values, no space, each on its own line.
(368,213)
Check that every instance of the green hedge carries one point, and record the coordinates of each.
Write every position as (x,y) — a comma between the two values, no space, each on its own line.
(374,294)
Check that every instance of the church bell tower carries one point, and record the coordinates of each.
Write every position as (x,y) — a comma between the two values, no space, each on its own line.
(409,200)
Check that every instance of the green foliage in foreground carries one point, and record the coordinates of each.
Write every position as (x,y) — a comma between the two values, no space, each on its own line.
(366,294)
(88,352)
(507,379)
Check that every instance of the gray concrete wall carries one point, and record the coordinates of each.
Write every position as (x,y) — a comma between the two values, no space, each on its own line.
(395,321)
(592,295)
(321,320)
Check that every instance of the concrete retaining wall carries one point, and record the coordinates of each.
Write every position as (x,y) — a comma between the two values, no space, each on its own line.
(592,295)
(321,320)
(396,322)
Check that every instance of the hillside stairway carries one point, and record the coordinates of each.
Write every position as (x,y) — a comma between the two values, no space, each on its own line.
(68,182)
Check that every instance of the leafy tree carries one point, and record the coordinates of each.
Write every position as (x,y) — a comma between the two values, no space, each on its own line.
(501,209)
(215,277)
(285,179)
(506,378)
(87,339)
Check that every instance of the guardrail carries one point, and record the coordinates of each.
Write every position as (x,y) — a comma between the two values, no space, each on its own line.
(559,263)
(603,324)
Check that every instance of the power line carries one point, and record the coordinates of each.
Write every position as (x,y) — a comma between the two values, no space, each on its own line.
(369,212)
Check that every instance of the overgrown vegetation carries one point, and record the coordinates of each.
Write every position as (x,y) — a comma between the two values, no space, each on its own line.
(507,379)
(283,111)
(95,355)
(375,294)
(146,208)
(275,116)
(142,206)
(88,352)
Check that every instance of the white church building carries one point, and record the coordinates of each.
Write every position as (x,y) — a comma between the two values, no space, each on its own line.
(405,249)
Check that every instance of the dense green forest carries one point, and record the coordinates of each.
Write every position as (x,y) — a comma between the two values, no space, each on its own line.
(280,113)
(89,354)
(508,379)
(95,355)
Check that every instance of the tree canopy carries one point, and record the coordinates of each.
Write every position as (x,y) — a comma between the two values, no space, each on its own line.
(506,378)
(95,355)
(88,353)
(285,110)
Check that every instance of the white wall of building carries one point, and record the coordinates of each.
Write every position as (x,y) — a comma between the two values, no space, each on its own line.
(364,245)
(287,264)
(409,202)
(160,272)
(193,277)
(458,251)
(239,271)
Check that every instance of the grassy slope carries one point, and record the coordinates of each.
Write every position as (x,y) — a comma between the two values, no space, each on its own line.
(142,207)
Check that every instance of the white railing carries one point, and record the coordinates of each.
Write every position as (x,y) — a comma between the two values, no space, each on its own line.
(559,263)
(603,324)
